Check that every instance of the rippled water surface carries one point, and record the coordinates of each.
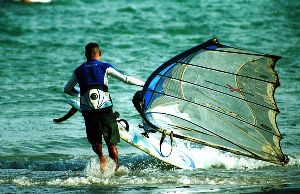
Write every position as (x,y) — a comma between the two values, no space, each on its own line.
(41,44)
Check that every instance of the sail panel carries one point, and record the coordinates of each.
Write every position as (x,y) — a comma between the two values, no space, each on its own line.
(219,96)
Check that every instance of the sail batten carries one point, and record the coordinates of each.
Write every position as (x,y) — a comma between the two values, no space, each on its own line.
(181,80)
(213,110)
(275,83)
(193,139)
(219,96)
(245,53)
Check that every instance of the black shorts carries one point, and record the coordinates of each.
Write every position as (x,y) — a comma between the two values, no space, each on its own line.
(100,124)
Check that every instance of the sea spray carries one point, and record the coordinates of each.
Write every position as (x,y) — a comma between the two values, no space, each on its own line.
(93,168)
(208,157)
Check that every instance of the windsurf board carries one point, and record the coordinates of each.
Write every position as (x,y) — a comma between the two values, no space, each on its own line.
(151,145)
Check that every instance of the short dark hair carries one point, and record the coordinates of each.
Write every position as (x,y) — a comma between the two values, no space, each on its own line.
(91,49)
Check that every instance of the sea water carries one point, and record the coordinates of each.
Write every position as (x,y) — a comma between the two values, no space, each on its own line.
(42,43)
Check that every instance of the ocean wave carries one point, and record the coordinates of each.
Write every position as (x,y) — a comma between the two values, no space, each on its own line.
(67,165)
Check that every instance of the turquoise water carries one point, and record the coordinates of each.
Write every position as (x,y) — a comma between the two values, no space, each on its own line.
(41,44)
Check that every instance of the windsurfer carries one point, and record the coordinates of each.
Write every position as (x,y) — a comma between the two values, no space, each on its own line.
(95,101)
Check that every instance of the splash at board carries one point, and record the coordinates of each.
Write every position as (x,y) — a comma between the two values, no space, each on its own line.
(148,144)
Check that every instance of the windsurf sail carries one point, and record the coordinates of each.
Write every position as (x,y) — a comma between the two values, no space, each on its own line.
(219,96)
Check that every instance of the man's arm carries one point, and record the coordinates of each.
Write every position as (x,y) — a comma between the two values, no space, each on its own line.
(69,88)
(125,78)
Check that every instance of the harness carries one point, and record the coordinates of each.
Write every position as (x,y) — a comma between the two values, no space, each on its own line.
(92,79)
(95,98)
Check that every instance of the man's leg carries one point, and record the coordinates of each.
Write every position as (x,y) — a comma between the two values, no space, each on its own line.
(98,150)
(113,154)
(94,135)
(111,136)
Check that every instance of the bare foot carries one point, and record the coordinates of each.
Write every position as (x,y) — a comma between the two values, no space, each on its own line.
(103,164)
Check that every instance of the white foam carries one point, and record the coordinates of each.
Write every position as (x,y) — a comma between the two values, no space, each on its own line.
(184,180)
(93,168)
(24,181)
(72,181)
(294,161)
(92,174)
(207,157)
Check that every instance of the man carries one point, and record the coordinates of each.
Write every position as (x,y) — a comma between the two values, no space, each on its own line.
(95,102)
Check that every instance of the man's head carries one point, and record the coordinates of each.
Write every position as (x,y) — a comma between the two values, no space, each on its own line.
(92,51)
